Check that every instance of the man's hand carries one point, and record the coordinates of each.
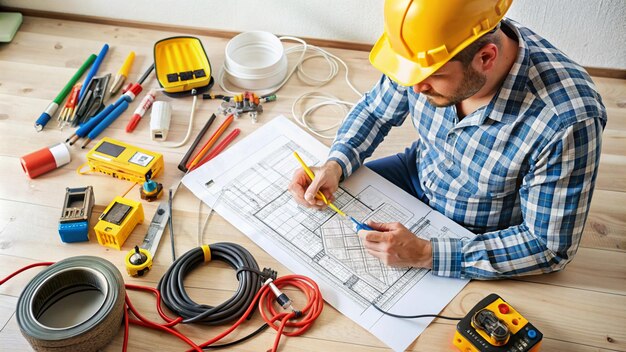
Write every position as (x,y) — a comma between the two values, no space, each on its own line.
(395,245)
(326,180)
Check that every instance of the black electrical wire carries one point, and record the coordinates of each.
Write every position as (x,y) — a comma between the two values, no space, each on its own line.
(414,316)
(250,279)
(232,343)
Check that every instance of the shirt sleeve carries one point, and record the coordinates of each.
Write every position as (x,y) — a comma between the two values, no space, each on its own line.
(554,199)
(367,124)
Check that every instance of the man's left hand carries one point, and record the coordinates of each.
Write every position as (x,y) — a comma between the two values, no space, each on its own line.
(395,245)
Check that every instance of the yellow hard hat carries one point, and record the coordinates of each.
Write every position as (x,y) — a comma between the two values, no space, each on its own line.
(422,35)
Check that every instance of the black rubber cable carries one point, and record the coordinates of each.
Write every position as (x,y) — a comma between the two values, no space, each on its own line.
(232,343)
(146,74)
(250,279)
(414,316)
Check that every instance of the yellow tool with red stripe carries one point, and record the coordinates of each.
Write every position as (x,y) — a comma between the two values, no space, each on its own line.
(495,326)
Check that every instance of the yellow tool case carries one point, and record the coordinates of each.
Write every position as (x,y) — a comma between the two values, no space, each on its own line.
(181,64)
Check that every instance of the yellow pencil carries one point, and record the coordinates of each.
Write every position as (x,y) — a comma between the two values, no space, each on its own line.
(320,195)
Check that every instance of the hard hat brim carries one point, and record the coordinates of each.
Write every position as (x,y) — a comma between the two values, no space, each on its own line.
(397,67)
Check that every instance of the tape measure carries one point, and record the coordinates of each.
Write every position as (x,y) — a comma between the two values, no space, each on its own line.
(139,260)
(124,161)
(55,290)
(117,222)
(494,326)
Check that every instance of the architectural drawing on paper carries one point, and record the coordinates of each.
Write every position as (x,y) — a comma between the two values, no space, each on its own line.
(324,240)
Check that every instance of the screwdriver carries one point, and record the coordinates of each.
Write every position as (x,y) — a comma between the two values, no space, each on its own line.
(359,225)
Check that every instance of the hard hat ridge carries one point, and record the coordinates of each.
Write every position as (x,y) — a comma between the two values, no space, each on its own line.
(422,35)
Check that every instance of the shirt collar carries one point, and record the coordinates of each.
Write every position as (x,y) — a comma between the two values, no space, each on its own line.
(513,90)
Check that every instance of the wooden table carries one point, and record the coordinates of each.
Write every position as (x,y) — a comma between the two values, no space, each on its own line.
(582,308)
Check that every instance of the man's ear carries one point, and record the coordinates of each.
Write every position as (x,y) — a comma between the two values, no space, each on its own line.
(485,58)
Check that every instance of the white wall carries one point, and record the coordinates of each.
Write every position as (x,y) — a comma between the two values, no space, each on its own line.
(592,32)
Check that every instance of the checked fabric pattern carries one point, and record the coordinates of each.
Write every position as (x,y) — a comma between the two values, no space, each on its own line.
(519,173)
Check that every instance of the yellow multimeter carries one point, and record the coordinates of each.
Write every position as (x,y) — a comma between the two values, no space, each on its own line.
(124,161)
(117,222)
(494,326)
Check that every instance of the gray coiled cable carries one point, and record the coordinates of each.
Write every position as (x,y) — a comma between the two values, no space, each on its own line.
(250,279)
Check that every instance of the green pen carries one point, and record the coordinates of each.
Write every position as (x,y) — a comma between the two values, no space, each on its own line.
(54,105)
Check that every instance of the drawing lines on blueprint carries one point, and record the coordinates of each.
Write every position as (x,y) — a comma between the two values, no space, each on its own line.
(323,239)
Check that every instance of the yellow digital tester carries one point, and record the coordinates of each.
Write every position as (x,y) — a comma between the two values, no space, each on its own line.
(494,326)
(124,161)
(117,221)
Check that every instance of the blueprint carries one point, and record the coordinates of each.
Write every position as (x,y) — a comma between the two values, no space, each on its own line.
(247,185)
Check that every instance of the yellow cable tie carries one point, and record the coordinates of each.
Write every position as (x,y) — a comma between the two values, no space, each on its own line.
(78,171)
(207,252)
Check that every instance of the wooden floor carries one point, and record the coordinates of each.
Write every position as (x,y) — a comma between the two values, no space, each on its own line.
(582,308)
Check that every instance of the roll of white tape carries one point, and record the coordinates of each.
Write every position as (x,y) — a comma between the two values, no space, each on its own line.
(255,61)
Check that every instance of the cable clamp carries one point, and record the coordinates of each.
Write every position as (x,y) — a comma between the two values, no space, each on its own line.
(207,252)
(269,273)
(281,298)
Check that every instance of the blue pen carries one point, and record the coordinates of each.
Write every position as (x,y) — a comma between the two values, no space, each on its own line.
(94,69)
(85,128)
(108,115)
(360,225)
(106,122)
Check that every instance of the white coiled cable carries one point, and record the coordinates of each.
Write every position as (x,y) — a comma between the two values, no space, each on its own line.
(323,99)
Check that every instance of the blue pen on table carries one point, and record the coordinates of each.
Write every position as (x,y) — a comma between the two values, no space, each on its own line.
(85,128)
(118,108)
(128,97)
(94,69)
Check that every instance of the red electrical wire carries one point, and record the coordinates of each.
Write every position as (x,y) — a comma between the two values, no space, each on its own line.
(300,321)
(266,297)
(24,269)
(307,315)
(126,330)
(143,321)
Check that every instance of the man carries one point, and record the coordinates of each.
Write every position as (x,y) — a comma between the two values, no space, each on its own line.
(509,140)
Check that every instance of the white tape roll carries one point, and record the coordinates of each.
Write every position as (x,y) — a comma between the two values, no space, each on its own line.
(255,61)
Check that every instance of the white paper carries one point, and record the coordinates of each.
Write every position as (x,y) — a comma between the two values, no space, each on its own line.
(247,185)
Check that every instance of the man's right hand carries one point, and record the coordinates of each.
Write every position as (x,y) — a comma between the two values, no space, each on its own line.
(326,180)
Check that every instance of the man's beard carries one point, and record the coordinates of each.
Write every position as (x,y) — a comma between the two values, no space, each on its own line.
(472,82)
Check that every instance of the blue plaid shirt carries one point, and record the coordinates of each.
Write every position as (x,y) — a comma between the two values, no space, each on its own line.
(518,172)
